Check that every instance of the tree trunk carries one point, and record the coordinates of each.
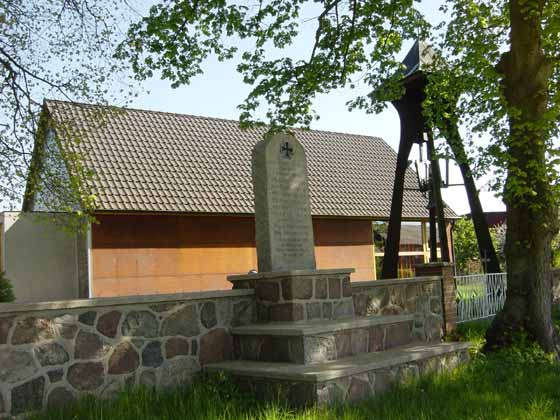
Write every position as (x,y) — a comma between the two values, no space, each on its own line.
(531,211)
(393,242)
(483,238)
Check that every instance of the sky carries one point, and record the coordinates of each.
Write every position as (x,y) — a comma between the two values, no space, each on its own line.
(219,91)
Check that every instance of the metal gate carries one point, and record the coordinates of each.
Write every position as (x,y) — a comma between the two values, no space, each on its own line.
(480,295)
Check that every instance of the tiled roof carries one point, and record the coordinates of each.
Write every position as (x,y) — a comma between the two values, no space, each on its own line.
(163,162)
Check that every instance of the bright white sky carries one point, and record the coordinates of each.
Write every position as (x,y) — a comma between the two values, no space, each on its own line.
(219,91)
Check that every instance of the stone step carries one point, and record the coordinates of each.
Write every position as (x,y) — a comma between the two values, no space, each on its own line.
(315,342)
(345,380)
(317,326)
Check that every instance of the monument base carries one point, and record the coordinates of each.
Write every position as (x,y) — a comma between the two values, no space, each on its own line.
(300,295)
(324,354)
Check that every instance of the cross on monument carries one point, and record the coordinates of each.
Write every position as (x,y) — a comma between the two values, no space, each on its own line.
(287,150)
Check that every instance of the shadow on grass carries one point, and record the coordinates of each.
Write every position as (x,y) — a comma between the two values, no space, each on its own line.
(486,389)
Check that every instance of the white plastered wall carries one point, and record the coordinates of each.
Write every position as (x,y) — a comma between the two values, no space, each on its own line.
(39,258)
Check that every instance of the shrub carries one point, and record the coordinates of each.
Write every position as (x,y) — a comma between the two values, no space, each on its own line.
(6,290)
(466,247)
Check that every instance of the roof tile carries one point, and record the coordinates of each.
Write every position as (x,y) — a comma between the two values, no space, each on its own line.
(156,161)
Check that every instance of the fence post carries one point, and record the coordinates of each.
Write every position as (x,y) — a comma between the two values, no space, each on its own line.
(445,271)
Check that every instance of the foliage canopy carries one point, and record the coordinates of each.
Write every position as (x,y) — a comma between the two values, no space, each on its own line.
(466,253)
(57,49)
(354,43)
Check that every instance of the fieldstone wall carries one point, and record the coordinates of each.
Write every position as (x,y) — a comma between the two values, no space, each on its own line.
(300,295)
(52,353)
(420,296)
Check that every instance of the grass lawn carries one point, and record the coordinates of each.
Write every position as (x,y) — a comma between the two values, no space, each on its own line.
(522,383)
(467,291)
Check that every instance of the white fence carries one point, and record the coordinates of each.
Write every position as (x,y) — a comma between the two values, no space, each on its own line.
(480,295)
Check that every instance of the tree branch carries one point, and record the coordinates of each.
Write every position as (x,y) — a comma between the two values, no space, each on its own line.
(23,69)
(319,31)
(352,26)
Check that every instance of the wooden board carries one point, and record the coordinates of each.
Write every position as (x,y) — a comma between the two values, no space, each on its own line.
(149,254)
